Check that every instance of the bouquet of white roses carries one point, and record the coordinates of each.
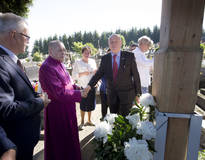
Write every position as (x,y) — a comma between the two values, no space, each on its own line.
(131,137)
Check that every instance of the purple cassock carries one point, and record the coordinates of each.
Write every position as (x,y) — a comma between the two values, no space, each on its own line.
(61,130)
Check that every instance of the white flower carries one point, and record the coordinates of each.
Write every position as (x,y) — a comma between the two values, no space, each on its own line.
(137,150)
(147,99)
(110,118)
(134,107)
(102,130)
(133,120)
(147,130)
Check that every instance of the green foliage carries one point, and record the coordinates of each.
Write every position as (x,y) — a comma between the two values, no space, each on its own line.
(202,47)
(122,131)
(41,45)
(141,110)
(38,57)
(23,55)
(201,155)
(99,41)
(123,41)
(19,7)
(114,147)
(77,47)
(27,60)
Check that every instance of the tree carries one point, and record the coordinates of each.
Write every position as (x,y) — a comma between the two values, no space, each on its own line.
(24,55)
(45,47)
(95,39)
(77,47)
(37,57)
(103,40)
(19,7)
(35,47)
(99,41)
(155,34)
(123,41)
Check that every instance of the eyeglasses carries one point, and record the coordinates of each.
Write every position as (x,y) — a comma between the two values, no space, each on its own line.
(28,37)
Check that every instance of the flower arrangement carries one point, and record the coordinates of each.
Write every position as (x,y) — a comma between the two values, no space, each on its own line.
(127,138)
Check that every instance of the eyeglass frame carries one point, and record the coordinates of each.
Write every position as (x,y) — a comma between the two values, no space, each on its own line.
(28,37)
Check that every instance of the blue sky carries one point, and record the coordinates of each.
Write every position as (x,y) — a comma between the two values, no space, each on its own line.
(50,17)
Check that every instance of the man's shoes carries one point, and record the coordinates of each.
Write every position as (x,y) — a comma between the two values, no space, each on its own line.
(102,118)
(81,127)
(89,124)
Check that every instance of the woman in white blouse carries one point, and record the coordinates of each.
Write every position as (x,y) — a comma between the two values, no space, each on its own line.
(83,70)
(144,65)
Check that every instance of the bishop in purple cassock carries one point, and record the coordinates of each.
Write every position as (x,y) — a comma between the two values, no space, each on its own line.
(61,131)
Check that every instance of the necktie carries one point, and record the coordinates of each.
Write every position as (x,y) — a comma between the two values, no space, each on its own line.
(115,68)
(20,65)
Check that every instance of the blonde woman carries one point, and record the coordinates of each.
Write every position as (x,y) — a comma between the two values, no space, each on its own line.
(144,65)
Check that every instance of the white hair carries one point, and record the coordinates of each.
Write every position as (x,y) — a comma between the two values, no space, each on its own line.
(145,40)
(116,35)
(10,21)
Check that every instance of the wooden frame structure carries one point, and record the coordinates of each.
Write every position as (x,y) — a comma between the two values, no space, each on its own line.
(177,67)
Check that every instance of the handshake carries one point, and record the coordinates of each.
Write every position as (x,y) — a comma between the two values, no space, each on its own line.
(85,91)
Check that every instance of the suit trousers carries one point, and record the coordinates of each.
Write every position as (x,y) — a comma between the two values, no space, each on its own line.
(122,109)
(25,154)
(104,104)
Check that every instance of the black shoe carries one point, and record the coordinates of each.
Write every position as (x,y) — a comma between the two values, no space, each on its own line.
(102,118)
(81,127)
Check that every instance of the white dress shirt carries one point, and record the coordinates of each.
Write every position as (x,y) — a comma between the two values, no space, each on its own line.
(143,65)
(81,66)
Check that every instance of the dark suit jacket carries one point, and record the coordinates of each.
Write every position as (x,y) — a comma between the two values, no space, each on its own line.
(5,143)
(127,84)
(19,105)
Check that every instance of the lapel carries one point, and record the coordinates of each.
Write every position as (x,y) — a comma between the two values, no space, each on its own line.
(15,66)
(122,62)
(122,65)
(109,63)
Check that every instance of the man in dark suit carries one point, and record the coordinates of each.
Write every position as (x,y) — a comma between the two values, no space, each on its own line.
(7,148)
(122,77)
(20,106)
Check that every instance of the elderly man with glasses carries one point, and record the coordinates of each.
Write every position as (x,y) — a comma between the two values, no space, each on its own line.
(20,106)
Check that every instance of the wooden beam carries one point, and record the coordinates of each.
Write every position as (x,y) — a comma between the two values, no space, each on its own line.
(177,67)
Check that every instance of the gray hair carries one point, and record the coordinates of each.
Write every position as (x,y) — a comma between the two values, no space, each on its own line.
(52,44)
(10,21)
(116,35)
(145,40)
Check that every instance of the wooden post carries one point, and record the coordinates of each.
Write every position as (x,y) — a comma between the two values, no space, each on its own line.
(176,69)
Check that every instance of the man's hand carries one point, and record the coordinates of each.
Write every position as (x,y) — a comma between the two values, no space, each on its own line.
(83,93)
(9,155)
(137,99)
(45,99)
(87,89)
